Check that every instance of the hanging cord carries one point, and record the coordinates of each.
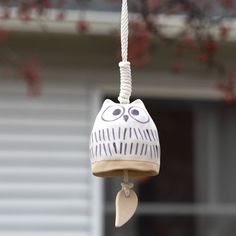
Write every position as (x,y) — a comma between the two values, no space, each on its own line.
(125,70)
(126,186)
(125,77)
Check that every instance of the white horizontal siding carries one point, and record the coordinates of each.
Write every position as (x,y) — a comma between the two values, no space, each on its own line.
(48,130)
(47,233)
(22,138)
(43,106)
(39,206)
(45,178)
(43,122)
(43,158)
(44,221)
(42,174)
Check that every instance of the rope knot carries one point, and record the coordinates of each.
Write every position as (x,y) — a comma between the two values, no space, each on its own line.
(125,82)
(124,64)
(126,188)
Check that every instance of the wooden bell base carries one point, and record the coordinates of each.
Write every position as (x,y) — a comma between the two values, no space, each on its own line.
(117,167)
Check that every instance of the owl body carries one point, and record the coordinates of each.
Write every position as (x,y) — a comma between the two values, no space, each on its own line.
(124,137)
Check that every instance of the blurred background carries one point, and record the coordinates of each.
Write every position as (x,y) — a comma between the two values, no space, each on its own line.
(59,60)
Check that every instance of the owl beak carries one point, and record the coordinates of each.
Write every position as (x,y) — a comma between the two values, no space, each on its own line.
(126,118)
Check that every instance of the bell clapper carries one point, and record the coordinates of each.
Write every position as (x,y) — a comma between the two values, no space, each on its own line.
(126,201)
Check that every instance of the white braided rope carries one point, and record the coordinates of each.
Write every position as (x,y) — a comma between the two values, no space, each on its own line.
(124,30)
(125,70)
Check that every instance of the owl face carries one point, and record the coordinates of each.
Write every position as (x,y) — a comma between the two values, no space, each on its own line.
(116,112)
(124,114)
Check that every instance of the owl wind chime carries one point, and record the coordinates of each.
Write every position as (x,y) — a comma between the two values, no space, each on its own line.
(124,140)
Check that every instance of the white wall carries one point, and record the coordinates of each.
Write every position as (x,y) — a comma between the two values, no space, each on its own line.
(46,186)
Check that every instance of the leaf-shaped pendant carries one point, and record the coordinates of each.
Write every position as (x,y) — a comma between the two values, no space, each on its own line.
(125,207)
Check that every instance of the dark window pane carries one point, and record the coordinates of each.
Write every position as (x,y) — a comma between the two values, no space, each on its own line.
(186,225)
(153,226)
(166,225)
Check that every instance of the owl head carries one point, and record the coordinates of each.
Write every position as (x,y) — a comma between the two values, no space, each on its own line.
(134,113)
(124,136)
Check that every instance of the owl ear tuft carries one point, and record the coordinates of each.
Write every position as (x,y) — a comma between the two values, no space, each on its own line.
(138,102)
(108,102)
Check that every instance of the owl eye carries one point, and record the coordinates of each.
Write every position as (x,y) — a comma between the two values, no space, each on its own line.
(139,114)
(135,112)
(116,112)
(113,113)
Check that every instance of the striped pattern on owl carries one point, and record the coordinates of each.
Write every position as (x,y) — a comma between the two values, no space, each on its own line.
(124,136)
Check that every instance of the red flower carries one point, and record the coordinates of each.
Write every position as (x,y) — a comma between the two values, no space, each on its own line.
(82,26)
(60,16)
(4,35)
(30,72)
(154,4)
(24,10)
(202,58)
(210,46)
(228,4)
(6,14)
(224,32)
(228,87)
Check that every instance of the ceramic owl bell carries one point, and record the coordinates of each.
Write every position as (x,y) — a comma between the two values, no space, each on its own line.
(124,140)
(124,137)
